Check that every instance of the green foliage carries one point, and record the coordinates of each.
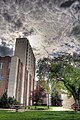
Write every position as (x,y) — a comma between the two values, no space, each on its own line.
(69,76)
(63,73)
(56,99)
(44,85)
(72,75)
(3,100)
(6,102)
(11,101)
(43,68)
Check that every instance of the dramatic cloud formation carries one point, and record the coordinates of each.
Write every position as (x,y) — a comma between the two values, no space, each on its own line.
(50,25)
(5,49)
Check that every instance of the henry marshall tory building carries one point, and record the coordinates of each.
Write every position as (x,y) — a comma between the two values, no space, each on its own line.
(17,73)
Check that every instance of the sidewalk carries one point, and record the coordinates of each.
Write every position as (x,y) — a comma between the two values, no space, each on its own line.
(61,109)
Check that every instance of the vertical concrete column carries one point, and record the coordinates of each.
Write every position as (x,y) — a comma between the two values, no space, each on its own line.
(28,90)
(13,77)
(32,88)
(23,78)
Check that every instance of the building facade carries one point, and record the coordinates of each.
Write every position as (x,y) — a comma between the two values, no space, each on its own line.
(24,51)
(4,73)
(15,79)
(22,72)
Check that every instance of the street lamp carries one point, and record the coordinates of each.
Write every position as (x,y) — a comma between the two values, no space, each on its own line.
(48,94)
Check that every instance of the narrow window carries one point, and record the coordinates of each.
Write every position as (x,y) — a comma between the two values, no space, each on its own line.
(0,77)
(1,65)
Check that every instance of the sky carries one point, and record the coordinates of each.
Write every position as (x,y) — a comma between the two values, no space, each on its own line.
(51,26)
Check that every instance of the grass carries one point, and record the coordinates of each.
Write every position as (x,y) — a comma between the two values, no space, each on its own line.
(39,115)
(33,107)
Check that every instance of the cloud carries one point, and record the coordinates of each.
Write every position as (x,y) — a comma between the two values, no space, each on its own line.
(76,30)
(28,32)
(18,23)
(67,3)
(7,17)
(19,2)
(44,19)
(5,50)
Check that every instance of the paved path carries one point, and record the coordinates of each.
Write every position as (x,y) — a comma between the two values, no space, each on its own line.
(53,109)
(60,109)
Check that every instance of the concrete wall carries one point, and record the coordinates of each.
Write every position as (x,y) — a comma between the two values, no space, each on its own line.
(67,102)
(19,82)
(20,49)
(13,77)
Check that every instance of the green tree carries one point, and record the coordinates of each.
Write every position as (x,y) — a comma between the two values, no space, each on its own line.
(64,73)
(67,75)
(38,95)
(43,68)
(42,73)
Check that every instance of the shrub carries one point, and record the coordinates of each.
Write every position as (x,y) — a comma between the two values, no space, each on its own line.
(6,102)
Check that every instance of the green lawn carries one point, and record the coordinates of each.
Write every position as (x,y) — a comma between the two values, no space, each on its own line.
(38,115)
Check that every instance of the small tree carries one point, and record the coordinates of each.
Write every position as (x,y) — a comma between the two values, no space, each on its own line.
(11,101)
(6,102)
(3,101)
(38,95)
(56,99)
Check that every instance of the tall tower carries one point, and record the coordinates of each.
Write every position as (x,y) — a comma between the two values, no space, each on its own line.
(24,51)
(22,72)
(21,49)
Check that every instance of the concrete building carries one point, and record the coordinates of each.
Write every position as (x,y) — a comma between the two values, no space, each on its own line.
(15,79)
(24,51)
(22,72)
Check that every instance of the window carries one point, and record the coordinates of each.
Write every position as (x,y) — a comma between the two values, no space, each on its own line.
(1,65)
(0,77)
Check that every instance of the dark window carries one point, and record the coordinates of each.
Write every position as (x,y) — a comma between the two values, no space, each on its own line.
(1,65)
(0,77)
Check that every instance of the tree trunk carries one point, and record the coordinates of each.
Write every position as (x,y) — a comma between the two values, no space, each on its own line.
(77,103)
